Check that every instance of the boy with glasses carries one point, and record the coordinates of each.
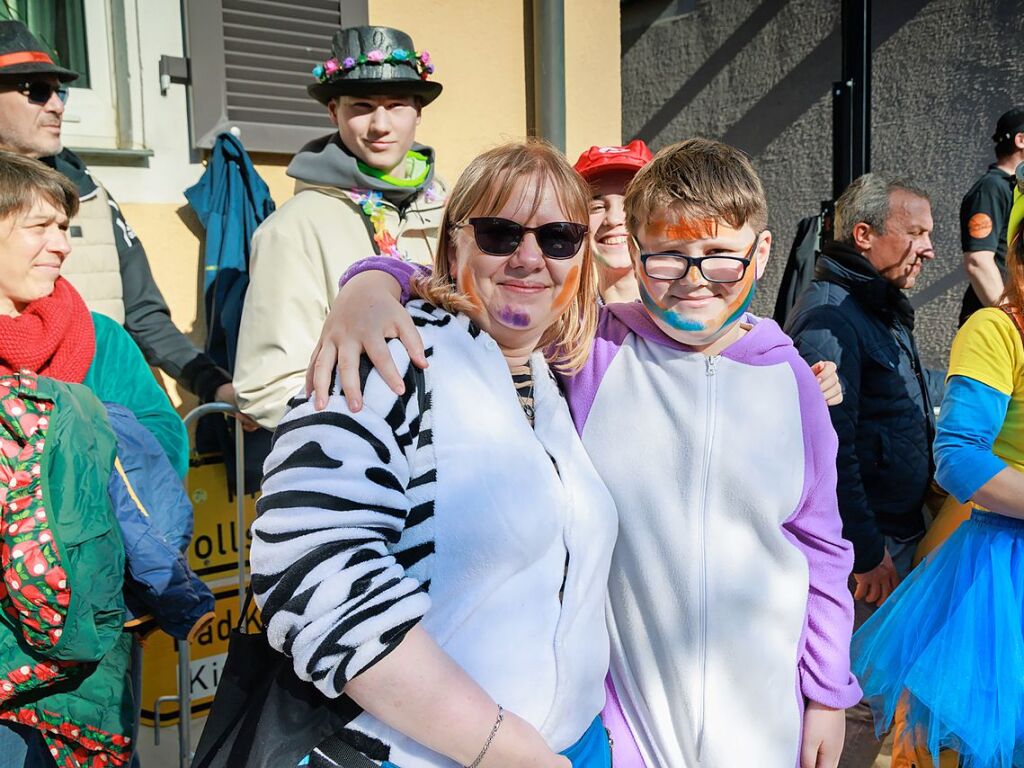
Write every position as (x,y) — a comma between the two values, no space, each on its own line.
(729,611)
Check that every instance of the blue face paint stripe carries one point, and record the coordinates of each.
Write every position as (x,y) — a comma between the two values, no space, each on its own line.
(744,305)
(672,318)
(683,324)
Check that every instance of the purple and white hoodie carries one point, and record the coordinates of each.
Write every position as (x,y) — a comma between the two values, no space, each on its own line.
(728,597)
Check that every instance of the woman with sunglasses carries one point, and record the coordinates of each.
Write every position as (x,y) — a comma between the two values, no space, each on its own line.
(440,557)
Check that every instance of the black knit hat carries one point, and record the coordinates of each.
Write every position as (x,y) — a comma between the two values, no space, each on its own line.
(1009,125)
(374,61)
(21,53)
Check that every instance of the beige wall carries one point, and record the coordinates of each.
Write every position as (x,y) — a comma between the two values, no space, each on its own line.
(477,48)
(479,52)
(593,92)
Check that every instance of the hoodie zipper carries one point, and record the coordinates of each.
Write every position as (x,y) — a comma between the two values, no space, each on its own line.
(711,368)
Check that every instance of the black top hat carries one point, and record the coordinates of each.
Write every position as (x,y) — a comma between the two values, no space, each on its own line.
(22,54)
(374,61)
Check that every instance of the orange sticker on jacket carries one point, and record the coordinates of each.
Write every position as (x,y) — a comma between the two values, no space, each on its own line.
(979,225)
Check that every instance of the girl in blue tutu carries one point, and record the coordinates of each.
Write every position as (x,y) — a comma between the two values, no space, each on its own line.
(948,647)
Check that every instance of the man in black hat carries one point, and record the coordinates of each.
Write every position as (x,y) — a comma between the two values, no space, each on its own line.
(366,188)
(983,217)
(108,264)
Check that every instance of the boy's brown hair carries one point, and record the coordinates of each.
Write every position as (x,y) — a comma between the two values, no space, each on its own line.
(702,180)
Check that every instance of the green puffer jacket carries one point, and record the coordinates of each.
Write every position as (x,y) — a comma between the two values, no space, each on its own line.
(62,561)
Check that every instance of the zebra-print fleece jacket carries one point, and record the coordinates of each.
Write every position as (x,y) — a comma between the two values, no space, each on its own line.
(460,517)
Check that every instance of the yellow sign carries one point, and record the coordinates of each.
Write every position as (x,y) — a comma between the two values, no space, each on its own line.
(208,653)
(214,551)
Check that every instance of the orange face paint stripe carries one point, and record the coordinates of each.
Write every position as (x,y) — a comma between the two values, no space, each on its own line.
(468,286)
(568,292)
(684,229)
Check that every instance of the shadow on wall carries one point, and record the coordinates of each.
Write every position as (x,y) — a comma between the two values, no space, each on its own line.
(758,75)
(794,94)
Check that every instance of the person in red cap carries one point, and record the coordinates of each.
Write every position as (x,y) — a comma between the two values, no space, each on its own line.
(608,170)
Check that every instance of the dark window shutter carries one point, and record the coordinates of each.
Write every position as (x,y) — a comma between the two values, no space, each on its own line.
(250,62)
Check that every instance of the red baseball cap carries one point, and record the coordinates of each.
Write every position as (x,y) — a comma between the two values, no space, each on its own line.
(600,160)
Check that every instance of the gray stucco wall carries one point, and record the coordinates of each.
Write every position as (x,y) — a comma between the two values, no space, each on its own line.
(758,75)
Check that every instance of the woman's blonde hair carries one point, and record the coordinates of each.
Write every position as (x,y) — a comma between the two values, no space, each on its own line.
(483,189)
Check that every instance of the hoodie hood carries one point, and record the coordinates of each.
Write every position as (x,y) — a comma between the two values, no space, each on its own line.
(761,345)
(328,162)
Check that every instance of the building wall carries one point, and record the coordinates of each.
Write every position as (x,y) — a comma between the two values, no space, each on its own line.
(480,53)
(758,74)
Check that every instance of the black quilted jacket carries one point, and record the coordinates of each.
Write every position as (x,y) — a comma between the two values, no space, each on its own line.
(850,314)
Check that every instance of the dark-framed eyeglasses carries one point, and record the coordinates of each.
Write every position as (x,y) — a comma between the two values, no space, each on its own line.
(672,265)
(40,91)
(501,237)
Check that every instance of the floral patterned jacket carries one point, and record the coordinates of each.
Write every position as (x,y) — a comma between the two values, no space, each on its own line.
(62,567)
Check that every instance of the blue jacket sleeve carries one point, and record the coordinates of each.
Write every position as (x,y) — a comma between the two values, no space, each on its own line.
(972,415)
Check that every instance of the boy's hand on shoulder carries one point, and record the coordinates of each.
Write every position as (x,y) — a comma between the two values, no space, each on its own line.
(824,730)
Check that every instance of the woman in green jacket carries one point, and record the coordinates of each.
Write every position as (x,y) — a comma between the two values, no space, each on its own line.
(46,329)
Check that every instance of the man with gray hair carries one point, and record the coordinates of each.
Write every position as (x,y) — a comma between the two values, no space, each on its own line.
(856,313)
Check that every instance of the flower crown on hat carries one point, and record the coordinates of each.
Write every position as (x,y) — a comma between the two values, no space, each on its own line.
(420,61)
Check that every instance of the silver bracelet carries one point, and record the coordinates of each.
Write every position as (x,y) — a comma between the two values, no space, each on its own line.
(487,744)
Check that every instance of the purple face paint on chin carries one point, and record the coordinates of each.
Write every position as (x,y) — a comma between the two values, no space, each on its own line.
(514,317)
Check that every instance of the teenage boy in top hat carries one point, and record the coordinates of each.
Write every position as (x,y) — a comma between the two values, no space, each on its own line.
(366,188)
(108,264)
(983,215)
(608,170)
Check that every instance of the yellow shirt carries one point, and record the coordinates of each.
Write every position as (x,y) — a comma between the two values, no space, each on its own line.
(989,349)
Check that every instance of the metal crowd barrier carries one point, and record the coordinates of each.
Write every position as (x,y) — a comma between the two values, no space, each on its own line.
(184,697)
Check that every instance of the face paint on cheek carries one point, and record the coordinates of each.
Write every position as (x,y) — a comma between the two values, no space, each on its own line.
(668,316)
(738,308)
(568,291)
(467,284)
(516,318)
(705,332)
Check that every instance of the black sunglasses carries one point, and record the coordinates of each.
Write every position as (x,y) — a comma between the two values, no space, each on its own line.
(672,265)
(40,91)
(501,237)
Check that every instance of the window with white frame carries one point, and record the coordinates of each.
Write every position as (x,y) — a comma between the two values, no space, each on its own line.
(77,34)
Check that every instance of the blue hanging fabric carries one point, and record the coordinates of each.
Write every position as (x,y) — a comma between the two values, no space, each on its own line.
(230,200)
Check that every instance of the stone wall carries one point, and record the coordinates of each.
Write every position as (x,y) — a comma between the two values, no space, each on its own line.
(759,74)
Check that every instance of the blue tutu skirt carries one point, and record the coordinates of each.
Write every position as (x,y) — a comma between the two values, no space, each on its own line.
(948,647)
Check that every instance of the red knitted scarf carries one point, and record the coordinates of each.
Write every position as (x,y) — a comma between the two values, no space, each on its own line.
(53,337)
